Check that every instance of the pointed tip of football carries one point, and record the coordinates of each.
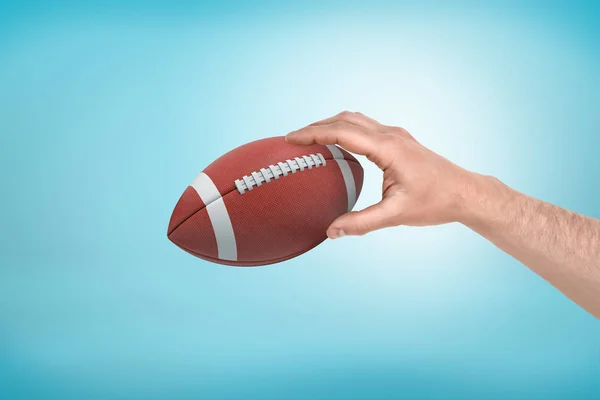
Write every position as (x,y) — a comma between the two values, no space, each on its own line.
(190,227)
(189,203)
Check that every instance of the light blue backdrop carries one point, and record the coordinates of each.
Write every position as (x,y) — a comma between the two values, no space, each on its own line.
(108,112)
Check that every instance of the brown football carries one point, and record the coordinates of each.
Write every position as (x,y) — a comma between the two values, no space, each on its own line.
(265,202)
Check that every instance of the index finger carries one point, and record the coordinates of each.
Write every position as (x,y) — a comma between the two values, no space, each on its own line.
(354,118)
(350,137)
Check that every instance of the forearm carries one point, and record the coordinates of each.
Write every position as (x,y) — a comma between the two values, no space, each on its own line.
(561,246)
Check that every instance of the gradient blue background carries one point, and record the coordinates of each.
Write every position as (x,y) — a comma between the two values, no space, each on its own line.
(108,111)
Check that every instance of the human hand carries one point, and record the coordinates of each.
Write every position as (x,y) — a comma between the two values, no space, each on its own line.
(420,187)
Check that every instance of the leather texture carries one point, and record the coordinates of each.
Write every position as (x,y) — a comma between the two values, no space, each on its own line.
(275,221)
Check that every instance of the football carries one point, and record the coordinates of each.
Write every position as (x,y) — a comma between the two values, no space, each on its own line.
(265,202)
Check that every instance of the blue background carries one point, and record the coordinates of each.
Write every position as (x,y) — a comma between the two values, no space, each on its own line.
(108,111)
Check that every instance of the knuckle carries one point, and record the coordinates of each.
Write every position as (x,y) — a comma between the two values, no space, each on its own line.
(408,135)
(402,132)
(398,130)
(345,115)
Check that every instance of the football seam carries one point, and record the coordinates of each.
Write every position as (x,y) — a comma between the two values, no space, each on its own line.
(232,191)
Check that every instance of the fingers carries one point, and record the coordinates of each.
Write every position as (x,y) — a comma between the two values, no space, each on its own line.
(378,216)
(354,118)
(347,135)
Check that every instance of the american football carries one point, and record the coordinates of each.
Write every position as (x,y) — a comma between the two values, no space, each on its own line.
(265,202)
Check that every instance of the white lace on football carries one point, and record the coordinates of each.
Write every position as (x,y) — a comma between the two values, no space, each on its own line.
(283,168)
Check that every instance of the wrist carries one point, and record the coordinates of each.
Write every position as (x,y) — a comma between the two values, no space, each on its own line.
(484,201)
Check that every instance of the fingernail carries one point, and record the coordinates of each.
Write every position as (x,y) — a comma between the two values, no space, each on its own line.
(336,233)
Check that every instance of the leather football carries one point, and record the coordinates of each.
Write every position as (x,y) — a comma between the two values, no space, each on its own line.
(265,202)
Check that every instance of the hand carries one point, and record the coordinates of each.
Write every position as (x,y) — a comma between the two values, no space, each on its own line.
(419,187)
(422,188)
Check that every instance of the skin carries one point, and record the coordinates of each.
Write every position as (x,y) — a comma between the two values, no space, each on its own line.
(421,188)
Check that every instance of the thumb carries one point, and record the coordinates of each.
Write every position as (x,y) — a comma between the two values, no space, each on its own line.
(377,216)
